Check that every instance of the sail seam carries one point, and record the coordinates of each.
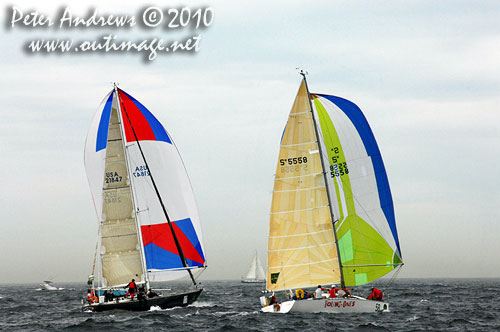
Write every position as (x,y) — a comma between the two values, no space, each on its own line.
(116,188)
(300,176)
(287,145)
(291,211)
(303,234)
(310,263)
(312,188)
(292,114)
(301,248)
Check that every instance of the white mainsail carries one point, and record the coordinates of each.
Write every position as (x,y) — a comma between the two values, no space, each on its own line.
(256,272)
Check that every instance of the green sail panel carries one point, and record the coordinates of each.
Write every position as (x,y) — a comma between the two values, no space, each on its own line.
(367,246)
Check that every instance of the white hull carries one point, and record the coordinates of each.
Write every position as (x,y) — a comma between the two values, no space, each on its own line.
(332,305)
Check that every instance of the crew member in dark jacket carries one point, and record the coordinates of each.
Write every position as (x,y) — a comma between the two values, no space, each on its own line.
(131,289)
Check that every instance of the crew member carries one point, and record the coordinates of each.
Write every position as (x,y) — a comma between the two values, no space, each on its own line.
(131,289)
(151,293)
(376,295)
(318,294)
(89,297)
(333,291)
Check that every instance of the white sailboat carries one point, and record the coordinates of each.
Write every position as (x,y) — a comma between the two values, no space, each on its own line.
(332,217)
(256,273)
(149,229)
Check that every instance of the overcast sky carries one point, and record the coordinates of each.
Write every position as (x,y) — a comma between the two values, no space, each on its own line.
(425,73)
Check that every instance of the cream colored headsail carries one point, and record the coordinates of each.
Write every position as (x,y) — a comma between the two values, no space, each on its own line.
(302,250)
(120,253)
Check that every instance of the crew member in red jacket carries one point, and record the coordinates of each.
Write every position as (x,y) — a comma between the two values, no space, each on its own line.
(131,289)
(376,295)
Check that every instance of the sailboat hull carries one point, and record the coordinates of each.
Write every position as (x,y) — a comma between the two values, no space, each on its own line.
(162,301)
(331,305)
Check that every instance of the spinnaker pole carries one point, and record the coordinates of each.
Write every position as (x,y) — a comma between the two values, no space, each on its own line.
(342,284)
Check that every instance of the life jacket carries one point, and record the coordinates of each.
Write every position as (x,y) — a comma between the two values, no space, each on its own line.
(376,295)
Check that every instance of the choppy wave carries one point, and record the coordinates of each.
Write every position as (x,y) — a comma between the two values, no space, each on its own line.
(416,305)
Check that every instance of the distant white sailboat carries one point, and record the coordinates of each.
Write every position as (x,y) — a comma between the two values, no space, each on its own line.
(256,273)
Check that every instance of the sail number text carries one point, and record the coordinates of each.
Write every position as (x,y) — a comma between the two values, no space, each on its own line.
(112,177)
(338,169)
(293,161)
(293,164)
(141,171)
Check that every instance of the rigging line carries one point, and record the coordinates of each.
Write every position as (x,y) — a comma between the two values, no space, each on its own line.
(393,278)
(176,240)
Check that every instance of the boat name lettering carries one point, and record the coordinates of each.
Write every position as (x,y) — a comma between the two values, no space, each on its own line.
(141,171)
(339,303)
(112,177)
(293,161)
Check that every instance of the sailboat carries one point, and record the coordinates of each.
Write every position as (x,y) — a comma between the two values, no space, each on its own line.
(149,228)
(332,217)
(256,273)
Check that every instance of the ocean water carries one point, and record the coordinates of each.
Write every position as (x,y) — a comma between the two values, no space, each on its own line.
(416,305)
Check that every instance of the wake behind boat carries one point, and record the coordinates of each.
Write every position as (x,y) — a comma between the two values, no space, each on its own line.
(256,273)
(332,217)
(149,229)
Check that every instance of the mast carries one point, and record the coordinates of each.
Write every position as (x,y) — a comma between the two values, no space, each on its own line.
(342,284)
(139,236)
(177,243)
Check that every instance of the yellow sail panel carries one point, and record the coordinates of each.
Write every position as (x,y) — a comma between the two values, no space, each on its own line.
(120,256)
(302,250)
